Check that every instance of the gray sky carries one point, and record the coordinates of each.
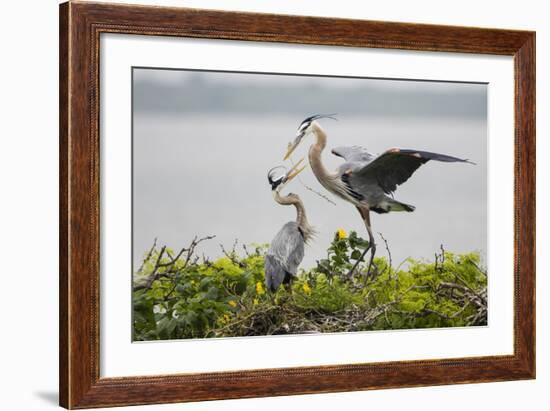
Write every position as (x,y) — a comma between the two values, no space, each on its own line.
(201,158)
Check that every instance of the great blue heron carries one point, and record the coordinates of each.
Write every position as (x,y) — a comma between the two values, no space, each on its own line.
(286,251)
(365,180)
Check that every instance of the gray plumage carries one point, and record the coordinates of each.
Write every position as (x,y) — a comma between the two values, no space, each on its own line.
(284,255)
(373,179)
(353,154)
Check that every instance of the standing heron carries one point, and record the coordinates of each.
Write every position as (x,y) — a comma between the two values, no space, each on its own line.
(286,251)
(365,180)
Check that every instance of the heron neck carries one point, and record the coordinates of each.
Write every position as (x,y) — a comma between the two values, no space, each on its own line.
(315,152)
(301,218)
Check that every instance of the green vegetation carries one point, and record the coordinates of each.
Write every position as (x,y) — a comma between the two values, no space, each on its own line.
(178,295)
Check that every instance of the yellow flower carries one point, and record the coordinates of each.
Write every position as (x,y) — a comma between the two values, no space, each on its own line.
(255,301)
(259,288)
(232,303)
(226,318)
(306,288)
(342,234)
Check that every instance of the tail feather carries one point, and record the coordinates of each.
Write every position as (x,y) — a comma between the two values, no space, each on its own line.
(391,205)
(397,206)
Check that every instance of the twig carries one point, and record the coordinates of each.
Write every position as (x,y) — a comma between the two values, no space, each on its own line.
(388,250)
(477,267)
(323,196)
(148,256)
(470,294)
(173,259)
(233,255)
(193,245)
(155,274)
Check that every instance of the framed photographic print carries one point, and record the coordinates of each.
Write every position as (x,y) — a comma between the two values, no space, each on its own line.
(257,205)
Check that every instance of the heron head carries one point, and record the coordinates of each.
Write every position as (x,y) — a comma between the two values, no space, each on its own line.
(278,179)
(305,128)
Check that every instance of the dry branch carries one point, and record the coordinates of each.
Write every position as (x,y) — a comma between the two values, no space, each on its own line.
(167,266)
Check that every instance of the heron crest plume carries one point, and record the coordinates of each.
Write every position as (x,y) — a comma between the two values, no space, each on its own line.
(319,116)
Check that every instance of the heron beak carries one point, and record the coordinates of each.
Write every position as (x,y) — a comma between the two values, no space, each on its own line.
(292,146)
(295,170)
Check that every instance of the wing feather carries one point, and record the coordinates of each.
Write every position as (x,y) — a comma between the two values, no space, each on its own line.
(353,154)
(396,166)
(274,272)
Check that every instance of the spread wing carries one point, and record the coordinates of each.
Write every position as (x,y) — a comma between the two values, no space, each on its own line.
(395,166)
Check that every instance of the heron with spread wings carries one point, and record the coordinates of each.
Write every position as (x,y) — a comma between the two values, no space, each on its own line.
(286,251)
(365,180)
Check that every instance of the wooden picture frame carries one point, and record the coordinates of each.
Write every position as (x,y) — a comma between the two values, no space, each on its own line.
(80,27)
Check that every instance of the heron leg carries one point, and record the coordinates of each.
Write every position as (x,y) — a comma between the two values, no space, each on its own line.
(365,214)
(372,245)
